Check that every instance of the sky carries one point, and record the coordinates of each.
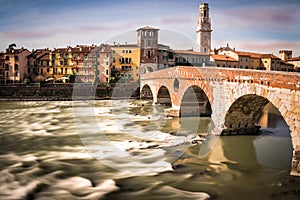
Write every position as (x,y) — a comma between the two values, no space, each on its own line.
(250,25)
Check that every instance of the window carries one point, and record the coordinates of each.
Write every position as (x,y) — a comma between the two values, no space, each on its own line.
(106,63)
(107,55)
(129,51)
(123,51)
(41,71)
(6,67)
(66,70)
(16,73)
(149,54)
(113,51)
(16,67)
(6,57)
(48,70)
(241,59)
(106,72)
(16,57)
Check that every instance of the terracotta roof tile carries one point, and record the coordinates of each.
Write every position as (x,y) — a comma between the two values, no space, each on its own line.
(223,58)
(294,59)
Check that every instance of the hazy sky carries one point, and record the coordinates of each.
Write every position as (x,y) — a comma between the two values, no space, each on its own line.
(250,25)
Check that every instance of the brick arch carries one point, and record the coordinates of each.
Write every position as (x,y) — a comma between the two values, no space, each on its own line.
(142,90)
(185,85)
(165,98)
(198,105)
(270,95)
(243,113)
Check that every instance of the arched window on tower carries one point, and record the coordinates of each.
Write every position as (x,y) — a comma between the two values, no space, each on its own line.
(205,50)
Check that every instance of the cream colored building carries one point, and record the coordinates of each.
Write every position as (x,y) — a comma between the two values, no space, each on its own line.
(257,61)
(287,56)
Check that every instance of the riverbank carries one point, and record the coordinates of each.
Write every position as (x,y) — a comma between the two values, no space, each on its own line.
(67,92)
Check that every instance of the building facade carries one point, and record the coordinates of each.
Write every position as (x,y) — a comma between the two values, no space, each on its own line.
(38,65)
(2,71)
(287,57)
(15,64)
(191,58)
(227,57)
(125,62)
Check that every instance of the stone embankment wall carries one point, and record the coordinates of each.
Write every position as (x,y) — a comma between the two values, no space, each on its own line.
(66,91)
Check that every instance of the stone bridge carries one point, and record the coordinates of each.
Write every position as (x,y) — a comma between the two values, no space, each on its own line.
(234,98)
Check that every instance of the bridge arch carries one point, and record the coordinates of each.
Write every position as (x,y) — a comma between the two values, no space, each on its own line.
(146,92)
(243,114)
(164,97)
(195,102)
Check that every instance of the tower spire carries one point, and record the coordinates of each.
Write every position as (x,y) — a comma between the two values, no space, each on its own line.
(204,29)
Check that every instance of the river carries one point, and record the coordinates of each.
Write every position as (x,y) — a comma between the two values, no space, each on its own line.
(126,149)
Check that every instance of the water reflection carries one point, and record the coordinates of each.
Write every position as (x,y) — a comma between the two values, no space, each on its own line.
(42,157)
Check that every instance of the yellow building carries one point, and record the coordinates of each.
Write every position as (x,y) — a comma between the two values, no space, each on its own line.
(61,63)
(125,62)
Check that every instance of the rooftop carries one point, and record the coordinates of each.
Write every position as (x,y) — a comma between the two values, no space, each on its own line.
(147,28)
(223,58)
(190,52)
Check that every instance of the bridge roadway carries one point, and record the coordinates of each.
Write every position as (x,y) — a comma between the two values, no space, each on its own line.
(236,97)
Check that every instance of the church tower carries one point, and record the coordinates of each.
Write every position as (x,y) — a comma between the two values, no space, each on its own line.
(204,29)
(148,43)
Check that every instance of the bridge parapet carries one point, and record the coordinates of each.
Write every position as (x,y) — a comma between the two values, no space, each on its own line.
(288,80)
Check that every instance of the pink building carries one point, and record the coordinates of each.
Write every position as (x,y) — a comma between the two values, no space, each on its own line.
(15,64)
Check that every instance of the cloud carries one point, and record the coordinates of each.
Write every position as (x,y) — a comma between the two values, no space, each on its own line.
(263,17)
(177,20)
(29,35)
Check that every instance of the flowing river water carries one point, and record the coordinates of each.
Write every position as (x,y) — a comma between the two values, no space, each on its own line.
(128,150)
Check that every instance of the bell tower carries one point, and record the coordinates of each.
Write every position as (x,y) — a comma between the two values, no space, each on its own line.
(204,29)
(148,43)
